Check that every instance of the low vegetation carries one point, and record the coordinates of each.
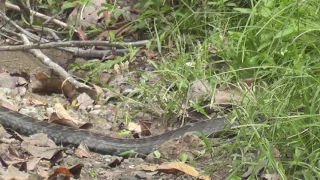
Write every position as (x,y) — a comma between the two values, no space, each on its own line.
(275,43)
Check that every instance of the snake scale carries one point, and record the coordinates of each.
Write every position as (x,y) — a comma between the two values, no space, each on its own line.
(97,142)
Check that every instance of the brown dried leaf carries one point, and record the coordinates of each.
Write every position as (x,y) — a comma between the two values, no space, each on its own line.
(145,127)
(271,176)
(174,168)
(150,55)
(61,171)
(39,145)
(276,153)
(41,75)
(99,92)
(47,86)
(228,94)
(14,173)
(115,162)
(8,106)
(61,112)
(82,151)
(82,34)
(88,15)
(116,68)
(32,164)
(35,102)
(134,127)
(83,101)
(178,166)
(54,118)
(69,91)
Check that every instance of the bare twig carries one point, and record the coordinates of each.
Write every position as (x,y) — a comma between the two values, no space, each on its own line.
(75,51)
(43,58)
(8,20)
(47,61)
(47,30)
(72,44)
(39,15)
(12,33)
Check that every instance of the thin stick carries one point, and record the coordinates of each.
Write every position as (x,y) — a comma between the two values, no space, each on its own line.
(39,15)
(47,61)
(72,44)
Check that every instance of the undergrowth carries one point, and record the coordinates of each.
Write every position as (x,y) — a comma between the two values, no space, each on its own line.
(274,42)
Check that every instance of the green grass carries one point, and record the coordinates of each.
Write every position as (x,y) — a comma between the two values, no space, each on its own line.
(276,42)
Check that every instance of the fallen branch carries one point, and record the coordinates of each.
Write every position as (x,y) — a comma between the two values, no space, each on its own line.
(39,15)
(47,61)
(72,44)
(75,51)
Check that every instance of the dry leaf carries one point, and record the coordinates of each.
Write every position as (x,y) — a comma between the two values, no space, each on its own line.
(39,145)
(41,76)
(116,68)
(32,164)
(275,153)
(134,127)
(61,171)
(271,176)
(83,101)
(174,168)
(145,127)
(14,173)
(47,86)
(61,112)
(115,162)
(149,55)
(99,92)
(87,15)
(54,118)
(8,106)
(82,151)
(37,102)
(199,89)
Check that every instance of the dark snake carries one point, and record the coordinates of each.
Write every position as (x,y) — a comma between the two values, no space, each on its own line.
(97,142)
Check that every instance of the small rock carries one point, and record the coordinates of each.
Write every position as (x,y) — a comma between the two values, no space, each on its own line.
(95,112)
(4,91)
(17,98)
(97,106)
(141,175)
(49,111)
(30,111)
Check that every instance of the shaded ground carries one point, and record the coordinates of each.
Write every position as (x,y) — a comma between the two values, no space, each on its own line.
(95,165)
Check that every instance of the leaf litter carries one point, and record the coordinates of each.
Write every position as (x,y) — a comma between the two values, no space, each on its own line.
(42,149)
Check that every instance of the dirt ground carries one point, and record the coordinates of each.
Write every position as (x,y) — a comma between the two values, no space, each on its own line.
(96,166)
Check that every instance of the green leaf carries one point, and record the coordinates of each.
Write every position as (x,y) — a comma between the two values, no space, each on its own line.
(207,143)
(284,32)
(183,157)
(157,154)
(123,133)
(243,10)
(67,5)
(128,152)
(200,109)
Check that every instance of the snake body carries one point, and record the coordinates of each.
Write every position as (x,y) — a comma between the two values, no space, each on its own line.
(97,142)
